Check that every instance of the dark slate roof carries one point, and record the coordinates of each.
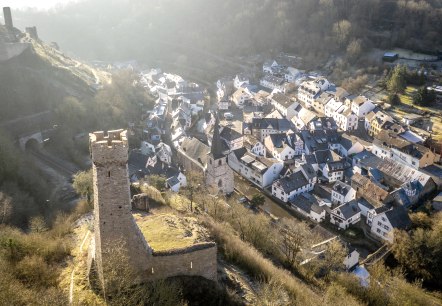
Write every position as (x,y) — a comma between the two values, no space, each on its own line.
(282,125)
(309,171)
(341,188)
(172,181)
(307,203)
(398,217)
(229,134)
(292,182)
(163,169)
(137,161)
(240,152)
(349,209)
(364,202)
(217,147)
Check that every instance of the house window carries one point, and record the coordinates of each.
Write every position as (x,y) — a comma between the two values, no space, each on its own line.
(379,223)
(220,162)
(108,174)
(386,227)
(220,183)
(378,231)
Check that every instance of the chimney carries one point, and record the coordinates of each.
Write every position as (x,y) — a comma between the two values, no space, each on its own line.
(8,17)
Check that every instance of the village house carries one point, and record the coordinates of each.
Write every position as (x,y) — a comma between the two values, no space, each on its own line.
(346,214)
(241,96)
(308,91)
(263,127)
(302,180)
(320,102)
(240,80)
(384,223)
(361,105)
(232,138)
(286,106)
(345,118)
(254,146)
(273,82)
(342,193)
(261,171)
(304,118)
(389,145)
(310,206)
(348,145)
(278,147)
(375,120)
(292,75)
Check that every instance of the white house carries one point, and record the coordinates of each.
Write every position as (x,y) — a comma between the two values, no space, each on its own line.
(241,96)
(352,259)
(176,182)
(232,138)
(239,80)
(261,171)
(291,74)
(283,103)
(383,224)
(342,193)
(278,147)
(308,91)
(346,214)
(334,170)
(302,180)
(309,205)
(361,106)
(345,119)
(273,82)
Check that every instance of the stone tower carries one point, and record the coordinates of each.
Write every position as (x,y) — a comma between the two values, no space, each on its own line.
(8,17)
(219,175)
(114,225)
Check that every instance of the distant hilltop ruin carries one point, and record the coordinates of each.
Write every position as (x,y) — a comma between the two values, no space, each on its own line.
(115,226)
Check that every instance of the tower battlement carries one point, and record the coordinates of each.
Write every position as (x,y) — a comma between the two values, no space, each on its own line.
(110,148)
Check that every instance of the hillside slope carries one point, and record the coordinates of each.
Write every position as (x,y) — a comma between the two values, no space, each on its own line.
(38,77)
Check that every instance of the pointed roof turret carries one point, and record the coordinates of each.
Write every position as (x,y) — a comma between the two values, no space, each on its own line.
(217,146)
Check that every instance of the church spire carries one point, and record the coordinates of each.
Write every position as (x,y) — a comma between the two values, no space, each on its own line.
(217,146)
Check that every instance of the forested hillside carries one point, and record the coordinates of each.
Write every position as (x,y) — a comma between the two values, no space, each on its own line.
(116,29)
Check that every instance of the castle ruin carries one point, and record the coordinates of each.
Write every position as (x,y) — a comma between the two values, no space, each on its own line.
(115,226)
(8,17)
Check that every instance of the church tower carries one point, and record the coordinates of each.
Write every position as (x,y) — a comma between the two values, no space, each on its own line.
(114,227)
(219,175)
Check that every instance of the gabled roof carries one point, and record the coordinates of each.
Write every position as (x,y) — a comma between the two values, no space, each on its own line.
(292,182)
(398,217)
(348,210)
(282,99)
(341,188)
(195,149)
(281,125)
(307,203)
(230,134)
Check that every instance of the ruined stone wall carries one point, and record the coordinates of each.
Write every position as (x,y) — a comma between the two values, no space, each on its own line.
(11,50)
(198,260)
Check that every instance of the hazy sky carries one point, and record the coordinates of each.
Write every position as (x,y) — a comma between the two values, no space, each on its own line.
(39,4)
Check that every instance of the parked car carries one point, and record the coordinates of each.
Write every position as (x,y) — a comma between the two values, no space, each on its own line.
(228,116)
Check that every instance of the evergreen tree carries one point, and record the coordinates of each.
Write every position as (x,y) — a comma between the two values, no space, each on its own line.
(397,81)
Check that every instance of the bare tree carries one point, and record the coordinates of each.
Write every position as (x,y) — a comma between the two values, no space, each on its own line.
(5,208)
(295,236)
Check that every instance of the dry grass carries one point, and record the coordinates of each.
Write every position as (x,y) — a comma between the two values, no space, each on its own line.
(251,260)
(82,295)
(167,231)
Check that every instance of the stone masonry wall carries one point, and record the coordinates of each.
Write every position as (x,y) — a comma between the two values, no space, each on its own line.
(191,261)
